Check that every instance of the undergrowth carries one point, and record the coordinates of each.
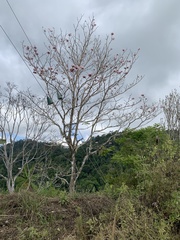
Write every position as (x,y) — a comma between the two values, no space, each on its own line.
(28,215)
(151,211)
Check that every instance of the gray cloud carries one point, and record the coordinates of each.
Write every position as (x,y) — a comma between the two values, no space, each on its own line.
(151,25)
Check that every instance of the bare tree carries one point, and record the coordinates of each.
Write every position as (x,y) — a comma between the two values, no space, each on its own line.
(18,121)
(86,84)
(171,109)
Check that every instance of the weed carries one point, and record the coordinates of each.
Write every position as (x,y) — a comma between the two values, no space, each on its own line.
(32,233)
(30,205)
(63,197)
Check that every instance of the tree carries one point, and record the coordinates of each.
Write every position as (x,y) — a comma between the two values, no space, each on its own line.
(85,83)
(19,121)
(171,109)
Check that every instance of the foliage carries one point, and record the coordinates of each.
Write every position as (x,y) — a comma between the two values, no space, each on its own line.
(138,150)
(150,169)
(159,188)
(53,192)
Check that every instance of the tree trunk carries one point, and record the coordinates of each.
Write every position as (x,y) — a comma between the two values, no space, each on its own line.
(11,185)
(72,183)
(10,182)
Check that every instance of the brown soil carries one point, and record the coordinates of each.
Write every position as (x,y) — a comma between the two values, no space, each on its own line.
(29,216)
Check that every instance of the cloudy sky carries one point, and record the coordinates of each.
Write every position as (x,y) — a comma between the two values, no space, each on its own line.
(151,25)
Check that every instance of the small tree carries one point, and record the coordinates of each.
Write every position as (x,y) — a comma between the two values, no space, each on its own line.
(85,84)
(18,121)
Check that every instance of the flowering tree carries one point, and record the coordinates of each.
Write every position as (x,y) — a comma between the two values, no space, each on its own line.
(85,83)
(18,121)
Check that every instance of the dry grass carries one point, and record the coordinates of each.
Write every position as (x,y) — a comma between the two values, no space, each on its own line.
(27,215)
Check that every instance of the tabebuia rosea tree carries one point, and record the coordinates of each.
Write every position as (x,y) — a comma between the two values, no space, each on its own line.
(86,88)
